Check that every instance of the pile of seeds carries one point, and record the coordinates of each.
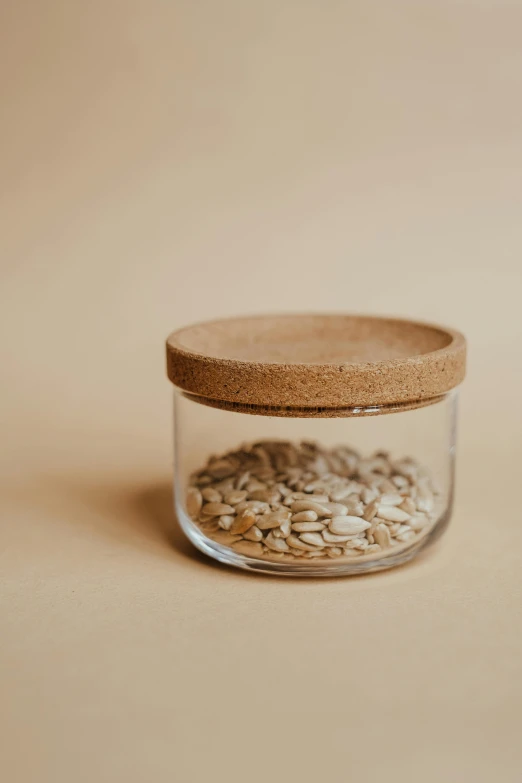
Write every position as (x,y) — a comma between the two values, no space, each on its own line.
(281,500)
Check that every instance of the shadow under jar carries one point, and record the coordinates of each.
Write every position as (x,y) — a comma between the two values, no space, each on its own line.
(314,445)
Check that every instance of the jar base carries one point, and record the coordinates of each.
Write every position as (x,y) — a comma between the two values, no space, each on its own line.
(341,566)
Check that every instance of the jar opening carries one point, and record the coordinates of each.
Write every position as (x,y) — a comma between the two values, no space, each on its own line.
(310,412)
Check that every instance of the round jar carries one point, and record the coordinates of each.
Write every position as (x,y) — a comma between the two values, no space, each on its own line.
(314,445)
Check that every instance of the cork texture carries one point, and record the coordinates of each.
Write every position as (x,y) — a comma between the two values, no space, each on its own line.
(316,361)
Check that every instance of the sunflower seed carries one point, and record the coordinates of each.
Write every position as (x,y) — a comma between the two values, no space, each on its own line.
(211,495)
(392,513)
(337,509)
(274,519)
(369,495)
(408,506)
(249,548)
(418,522)
(382,536)
(217,509)
(211,526)
(305,516)
(425,500)
(307,527)
(225,522)
(352,553)
(296,543)
(404,537)
(261,454)
(242,479)
(266,495)
(312,538)
(253,534)
(334,551)
(299,496)
(370,511)
(277,544)
(194,502)
(284,530)
(310,505)
(236,496)
(356,542)
(221,468)
(313,485)
(243,521)
(343,493)
(354,506)
(331,538)
(347,525)
(390,499)
(227,539)
(224,486)
(255,486)
(257,506)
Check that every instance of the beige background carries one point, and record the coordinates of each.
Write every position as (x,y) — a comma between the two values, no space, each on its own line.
(163,162)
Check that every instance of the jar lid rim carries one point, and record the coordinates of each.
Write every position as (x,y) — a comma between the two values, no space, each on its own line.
(326,360)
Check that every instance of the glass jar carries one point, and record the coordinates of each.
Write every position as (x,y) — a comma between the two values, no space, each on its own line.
(314,445)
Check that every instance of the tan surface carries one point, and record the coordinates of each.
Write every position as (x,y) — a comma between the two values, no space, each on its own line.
(169,162)
(316,360)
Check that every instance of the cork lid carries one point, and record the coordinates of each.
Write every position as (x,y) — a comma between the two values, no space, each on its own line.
(321,362)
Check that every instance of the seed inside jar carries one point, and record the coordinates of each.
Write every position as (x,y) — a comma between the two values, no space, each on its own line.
(299,501)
